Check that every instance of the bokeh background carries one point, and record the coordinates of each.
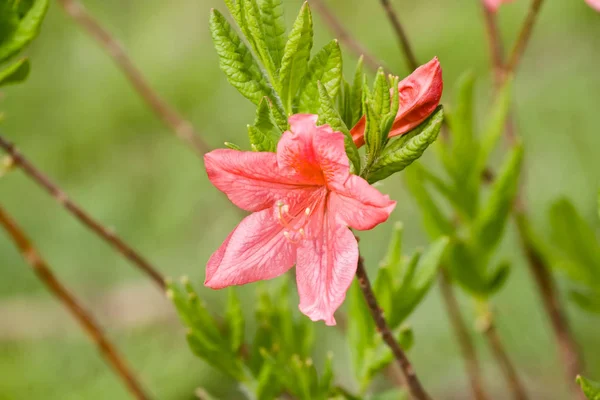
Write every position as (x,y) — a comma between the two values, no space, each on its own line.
(78,119)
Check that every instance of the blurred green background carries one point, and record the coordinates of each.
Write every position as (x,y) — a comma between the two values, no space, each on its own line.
(78,119)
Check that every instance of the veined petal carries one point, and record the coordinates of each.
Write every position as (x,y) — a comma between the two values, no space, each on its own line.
(313,153)
(255,250)
(251,180)
(359,205)
(324,270)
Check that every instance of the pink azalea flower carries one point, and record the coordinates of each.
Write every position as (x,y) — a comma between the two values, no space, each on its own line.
(595,4)
(494,5)
(420,94)
(303,199)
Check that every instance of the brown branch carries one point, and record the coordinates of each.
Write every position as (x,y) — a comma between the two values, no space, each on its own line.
(411,60)
(61,197)
(182,128)
(411,381)
(494,44)
(524,36)
(488,328)
(91,327)
(568,350)
(462,336)
(344,36)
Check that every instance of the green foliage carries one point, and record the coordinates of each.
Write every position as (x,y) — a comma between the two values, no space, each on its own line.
(403,151)
(277,360)
(356,94)
(325,68)
(478,226)
(575,252)
(274,28)
(400,285)
(590,388)
(20,23)
(296,55)
(265,133)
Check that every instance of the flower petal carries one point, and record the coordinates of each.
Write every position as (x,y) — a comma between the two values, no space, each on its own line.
(324,271)
(251,180)
(494,5)
(595,4)
(312,153)
(359,205)
(255,250)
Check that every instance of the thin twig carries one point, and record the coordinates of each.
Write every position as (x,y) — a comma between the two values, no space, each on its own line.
(344,36)
(182,128)
(61,197)
(523,39)
(488,328)
(87,322)
(462,336)
(494,44)
(411,60)
(572,363)
(411,380)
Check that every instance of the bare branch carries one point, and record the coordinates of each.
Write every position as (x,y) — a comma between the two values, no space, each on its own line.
(63,199)
(182,128)
(87,322)
(524,36)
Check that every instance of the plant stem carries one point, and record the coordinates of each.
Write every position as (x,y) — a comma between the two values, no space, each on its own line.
(488,327)
(182,128)
(344,36)
(524,36)
(462,336)
(567,346)
(405,46)
(61,197)
(417,392)
(86,320)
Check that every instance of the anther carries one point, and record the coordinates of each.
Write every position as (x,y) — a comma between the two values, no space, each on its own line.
(307,211)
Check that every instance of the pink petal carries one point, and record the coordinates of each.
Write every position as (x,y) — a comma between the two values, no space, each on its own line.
(359,205)
(420,94)
(312,153)
(324,271)
(595,4)
(251,180)
(494,5)
(255,250)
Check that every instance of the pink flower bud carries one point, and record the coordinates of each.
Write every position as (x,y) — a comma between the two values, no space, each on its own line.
(494,5)
(420,94)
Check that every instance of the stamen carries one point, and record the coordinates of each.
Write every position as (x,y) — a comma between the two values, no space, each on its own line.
(307,211)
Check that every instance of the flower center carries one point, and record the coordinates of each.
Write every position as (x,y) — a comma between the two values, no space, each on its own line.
(297,218)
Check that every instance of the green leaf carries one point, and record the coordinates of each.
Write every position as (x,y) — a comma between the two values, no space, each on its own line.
(326,68)
(360,327)
(274,28)
(490,223)
(495,126)
(373,135)
(588,300)
(461,118)
(381,94)
(590,388)
(394,253)
(258,38)
(235,321)
(294,64)
(435,222)
(388,119)
(21,33)
(498,278)
(356,93)
(467,270)
(329,115)
(235,8)
(406,338)
(402,152)
(232,146)
(15,73)
(265,133)
(577,242)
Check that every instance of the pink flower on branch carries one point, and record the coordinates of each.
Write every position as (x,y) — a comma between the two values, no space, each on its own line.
(420,94)
(303,199)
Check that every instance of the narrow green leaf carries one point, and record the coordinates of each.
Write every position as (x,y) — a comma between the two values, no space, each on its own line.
(234,7)
(381,94)
(394,253)
(329,115)
(235,321)
(274,27)
(402,152)
(435,222)
(258,38)
(28,27)
(373,134)
(429,264)
(360,326)
(495,126)
(406,338)
(498,278)
(15,73)
(265,133)
(388,119)
(467,270)
(327,378)
(232,146)
(294,64)
(588,300)
(384,287)
(490,223)
(590,388)
(326,68)
(356,93)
